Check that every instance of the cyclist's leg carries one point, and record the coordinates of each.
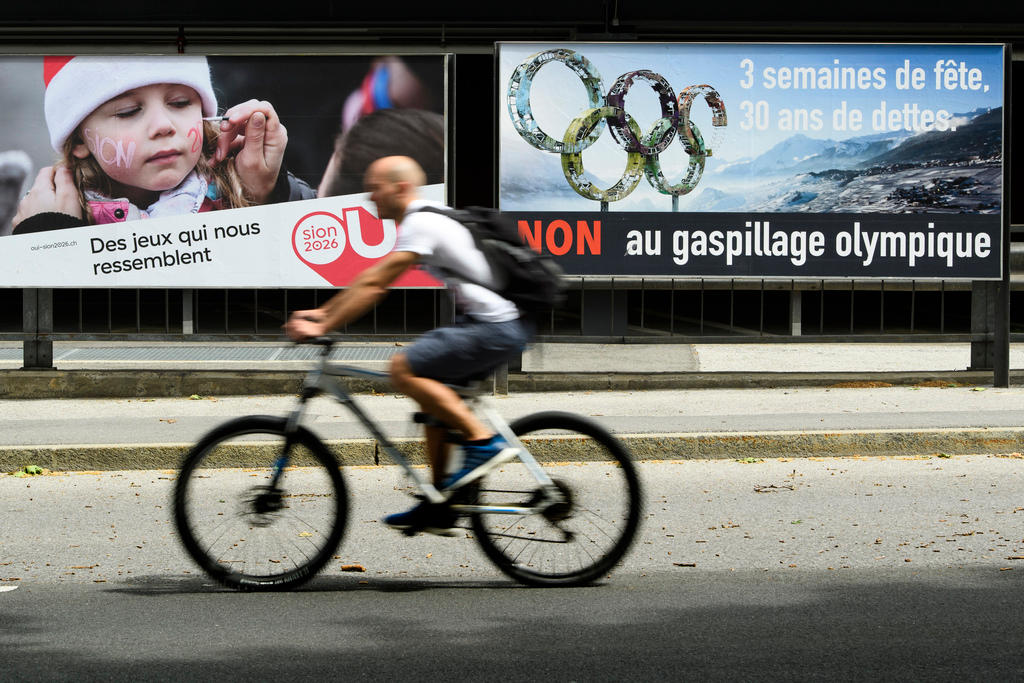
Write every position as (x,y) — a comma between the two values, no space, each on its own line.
(436,399)
(482,449)
(438,452)
(451,355)
(442,356)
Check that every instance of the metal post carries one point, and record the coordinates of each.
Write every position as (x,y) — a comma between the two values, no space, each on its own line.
(501,380)
(795,313)
(983,316)
(1001,331)
(187,321)
(38,320)
(1001,328)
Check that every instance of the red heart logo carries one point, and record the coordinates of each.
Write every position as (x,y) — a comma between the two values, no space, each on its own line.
(338,249)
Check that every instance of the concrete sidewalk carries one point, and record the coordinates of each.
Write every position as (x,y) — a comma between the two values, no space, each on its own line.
(539,358)
(131,369)
(742,401)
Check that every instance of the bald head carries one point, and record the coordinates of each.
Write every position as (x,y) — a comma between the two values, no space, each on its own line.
(393,182)
(399,169)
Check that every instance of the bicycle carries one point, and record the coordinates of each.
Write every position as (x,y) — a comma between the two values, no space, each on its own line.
(277,520)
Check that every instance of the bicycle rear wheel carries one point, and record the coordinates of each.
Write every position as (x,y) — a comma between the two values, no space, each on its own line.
(243,531)
(574,542)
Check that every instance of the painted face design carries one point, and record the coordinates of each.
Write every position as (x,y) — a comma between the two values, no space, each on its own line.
(146,140)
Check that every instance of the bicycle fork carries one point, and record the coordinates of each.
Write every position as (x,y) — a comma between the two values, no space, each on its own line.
(291,428)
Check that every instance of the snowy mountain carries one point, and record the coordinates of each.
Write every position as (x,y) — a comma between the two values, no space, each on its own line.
(803,154)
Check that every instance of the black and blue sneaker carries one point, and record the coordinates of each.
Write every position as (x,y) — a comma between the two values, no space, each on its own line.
(430,518)
(479,458)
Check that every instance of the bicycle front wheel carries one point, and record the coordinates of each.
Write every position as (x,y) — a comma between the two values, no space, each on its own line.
(243,529)
(579,539)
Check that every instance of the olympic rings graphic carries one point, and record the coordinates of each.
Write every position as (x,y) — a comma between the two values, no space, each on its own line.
(519,96)
(572,162)
(664,128)
(642,149)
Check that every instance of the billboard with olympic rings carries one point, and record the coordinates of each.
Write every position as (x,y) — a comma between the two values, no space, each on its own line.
(756,160)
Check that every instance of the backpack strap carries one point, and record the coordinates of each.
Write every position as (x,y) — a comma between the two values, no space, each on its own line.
(463,218)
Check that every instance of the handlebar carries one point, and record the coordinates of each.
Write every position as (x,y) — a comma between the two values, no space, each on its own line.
(326,343)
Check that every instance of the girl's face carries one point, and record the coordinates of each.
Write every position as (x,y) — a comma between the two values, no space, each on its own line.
(146,140)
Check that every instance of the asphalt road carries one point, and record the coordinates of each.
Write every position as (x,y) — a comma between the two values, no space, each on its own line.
(930,624)
(898,568)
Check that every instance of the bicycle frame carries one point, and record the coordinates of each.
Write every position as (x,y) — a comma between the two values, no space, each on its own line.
(324,379)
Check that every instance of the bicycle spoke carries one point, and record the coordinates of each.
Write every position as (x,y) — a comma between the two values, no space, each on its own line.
(247,532)
(579,538)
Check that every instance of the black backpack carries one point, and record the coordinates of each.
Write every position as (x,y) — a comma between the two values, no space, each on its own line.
(532,281)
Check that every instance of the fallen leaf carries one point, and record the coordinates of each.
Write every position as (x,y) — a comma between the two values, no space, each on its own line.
(353,568)
(771,488)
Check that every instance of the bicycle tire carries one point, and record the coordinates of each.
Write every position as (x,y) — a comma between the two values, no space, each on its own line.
(596,531)
(244,534)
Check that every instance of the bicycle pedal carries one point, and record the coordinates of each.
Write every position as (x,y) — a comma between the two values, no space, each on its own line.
(466,495)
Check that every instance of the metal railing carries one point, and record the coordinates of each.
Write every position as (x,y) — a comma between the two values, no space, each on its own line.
(598,310)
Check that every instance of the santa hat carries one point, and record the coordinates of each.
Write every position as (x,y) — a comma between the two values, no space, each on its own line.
(76,86)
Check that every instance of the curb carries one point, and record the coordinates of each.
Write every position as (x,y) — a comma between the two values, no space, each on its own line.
(739,446)
(132,383)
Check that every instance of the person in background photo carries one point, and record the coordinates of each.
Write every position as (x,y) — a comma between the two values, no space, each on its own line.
(416,133)
(387,115)
(139,137)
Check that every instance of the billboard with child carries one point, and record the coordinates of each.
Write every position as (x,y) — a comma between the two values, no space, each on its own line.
(756,160)
(187,171)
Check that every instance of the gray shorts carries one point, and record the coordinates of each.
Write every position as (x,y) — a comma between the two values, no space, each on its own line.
(468,351)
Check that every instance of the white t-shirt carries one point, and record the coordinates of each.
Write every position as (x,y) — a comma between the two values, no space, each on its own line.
(445,246)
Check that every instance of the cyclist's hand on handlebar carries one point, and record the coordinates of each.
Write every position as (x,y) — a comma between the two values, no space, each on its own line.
(303,325)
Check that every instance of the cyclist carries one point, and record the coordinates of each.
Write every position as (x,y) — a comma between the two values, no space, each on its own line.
(488,331)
